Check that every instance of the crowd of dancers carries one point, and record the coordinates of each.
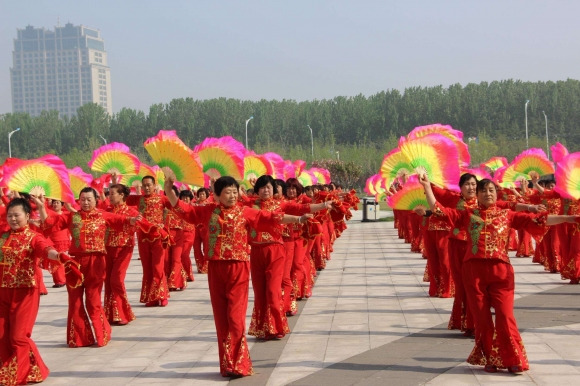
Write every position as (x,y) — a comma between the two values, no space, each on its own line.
(465,237)
(279,234)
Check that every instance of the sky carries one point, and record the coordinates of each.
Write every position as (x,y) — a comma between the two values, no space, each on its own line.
(307,50)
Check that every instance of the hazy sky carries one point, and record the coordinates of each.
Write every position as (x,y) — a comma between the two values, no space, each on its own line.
(304,50)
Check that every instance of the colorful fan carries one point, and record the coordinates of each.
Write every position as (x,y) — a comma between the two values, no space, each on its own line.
(435,155)
(307,178)
(255,166)
(167,150)
(114,158)
(290,170)
(447,131)
(568,176)
(46,176)
(78,180)
(144,170)
(533,160)
(322,175)
(300,166)
(221,157)
(435,128)
(495,163)
(507,176)
(559,151)
(409,197)
(277,163)
(381,196)
(369,185)
(394,164)
(159,175)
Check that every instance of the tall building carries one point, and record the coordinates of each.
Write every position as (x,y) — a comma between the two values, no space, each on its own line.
(59,70)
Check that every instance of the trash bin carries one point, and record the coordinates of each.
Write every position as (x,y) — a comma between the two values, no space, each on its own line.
(371,209)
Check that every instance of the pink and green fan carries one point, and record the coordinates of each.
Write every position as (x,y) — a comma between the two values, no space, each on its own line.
(447,131)
(307,178)
(255,165)
(435,155)
(114,158)
(290,170)
(394,165)
(479,173)
(79,180)
(533,160)
(277,163)
(322,175)
(370,186)
(507,176)
(220,157)
(46,176)
(495,163)
(568,176)
(167,150)
(409,197)
(144,170)
(559,151)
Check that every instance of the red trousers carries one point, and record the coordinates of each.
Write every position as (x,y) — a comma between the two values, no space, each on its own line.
(117,307)
(58,270)
(19,357)
(267,266)
(309,270)
(293,273)
(173,268)
(571,257)
(490,283)
(550,246)
(228,282)
(79,332)
(461,318)
(437,249)
(154,284)
(319,252)
(188,238)
(200,245)
(525,246)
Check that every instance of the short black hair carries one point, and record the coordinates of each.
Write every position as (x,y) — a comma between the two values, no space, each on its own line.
(148,177)
(466,177)
(203,190)
(120,188)
(88,189)
(185,193)
(294,183)
(224,182)
(19,201)
(481,184)
(263,181)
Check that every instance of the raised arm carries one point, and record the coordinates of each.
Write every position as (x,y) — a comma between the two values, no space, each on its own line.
(424,180)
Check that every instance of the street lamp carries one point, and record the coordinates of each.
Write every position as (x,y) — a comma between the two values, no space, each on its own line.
(248,120)
(547,144)
(526,110)
(337,155)
(311,141)
(103,138)
(10,148)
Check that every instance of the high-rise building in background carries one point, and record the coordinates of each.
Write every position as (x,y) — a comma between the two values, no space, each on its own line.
(59,70)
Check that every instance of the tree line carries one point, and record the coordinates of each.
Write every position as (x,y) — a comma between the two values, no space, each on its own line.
(358,129)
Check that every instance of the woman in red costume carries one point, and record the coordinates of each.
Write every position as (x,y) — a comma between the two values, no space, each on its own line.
(200,241)
(229,266)
(188,237)
(19,297)
(119,246)
(176,278)
(152,245)
(87,227)
(488,276)
(267,262)
(61,241)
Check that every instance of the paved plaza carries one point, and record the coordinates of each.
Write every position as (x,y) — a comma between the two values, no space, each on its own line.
(369,322)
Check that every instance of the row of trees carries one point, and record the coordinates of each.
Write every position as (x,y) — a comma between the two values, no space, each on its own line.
(358,130)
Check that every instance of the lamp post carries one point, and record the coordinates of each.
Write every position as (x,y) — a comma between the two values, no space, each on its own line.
(337,155)
(526,112)
(248,120)
(311,141)
(103,138)
(547,143)
(9,147)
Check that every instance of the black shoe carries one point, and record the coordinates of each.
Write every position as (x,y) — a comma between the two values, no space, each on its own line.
(58,285)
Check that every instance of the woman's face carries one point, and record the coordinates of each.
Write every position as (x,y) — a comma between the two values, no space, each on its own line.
(56,205)
(266,192)
(468,189)
(116,197)
(488,195)
(228,196)
(201,196)
(185,199)
(87,201)
(291,192)
(17,217)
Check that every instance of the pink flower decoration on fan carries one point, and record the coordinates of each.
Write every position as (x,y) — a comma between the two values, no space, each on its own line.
(277,163)
(409,197)
(495,163)
(568,176)
(220,157)
(114,158)
(79,180)
(559,151)
(533,160)
(322,175)
(307,178)
(46,175)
